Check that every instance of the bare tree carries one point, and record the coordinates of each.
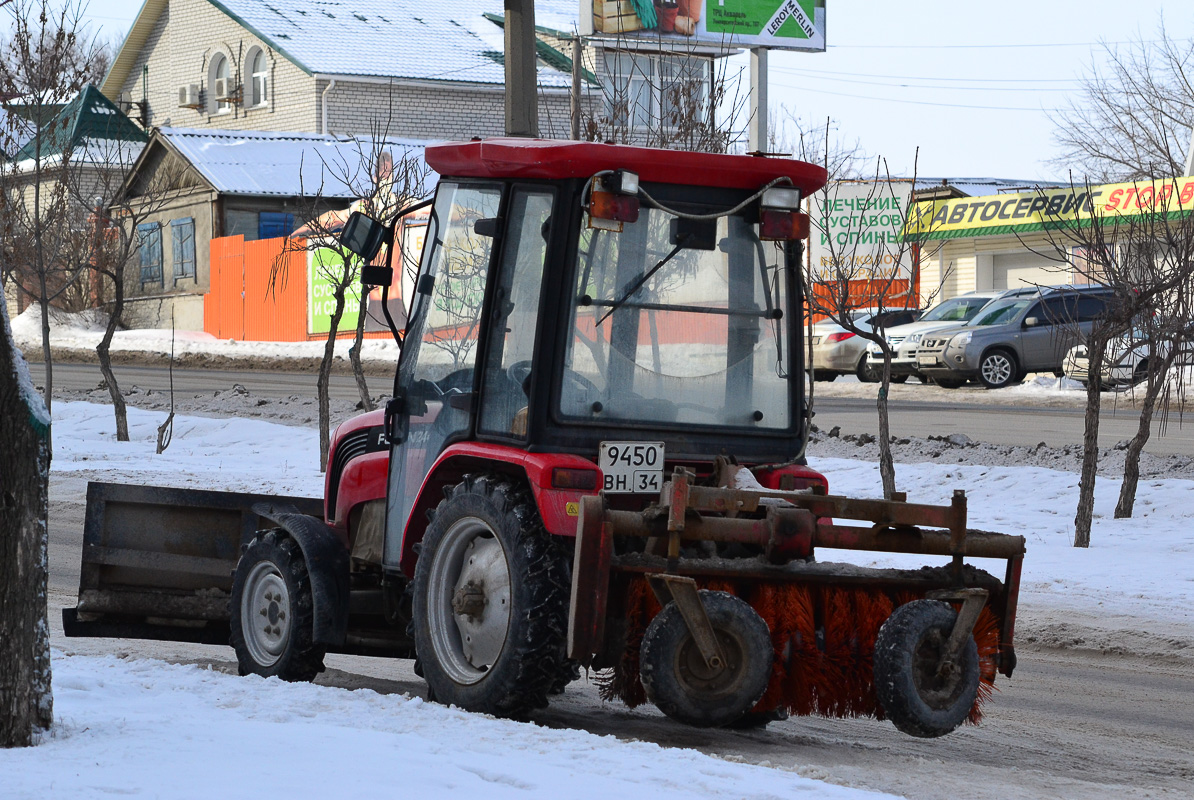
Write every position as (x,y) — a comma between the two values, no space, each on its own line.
(1132,119)
(1145,257)
(45,61)
(385,176)
(676,99)
(26,700)
(865,269)
(843,159)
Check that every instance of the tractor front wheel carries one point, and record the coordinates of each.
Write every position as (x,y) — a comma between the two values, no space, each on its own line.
(272,612)
(679,682)
(923,692)
(490,600)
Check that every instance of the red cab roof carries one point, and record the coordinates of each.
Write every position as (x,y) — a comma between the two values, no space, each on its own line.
(556,159)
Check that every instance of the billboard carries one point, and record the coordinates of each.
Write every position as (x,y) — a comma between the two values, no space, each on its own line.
(856,229)
(322,265)
(779,24)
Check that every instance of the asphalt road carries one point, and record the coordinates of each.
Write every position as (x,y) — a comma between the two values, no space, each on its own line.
(1001,424)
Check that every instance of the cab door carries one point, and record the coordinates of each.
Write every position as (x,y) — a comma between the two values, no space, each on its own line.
(435,390)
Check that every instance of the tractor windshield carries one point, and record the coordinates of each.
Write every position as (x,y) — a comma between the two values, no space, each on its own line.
(678,320)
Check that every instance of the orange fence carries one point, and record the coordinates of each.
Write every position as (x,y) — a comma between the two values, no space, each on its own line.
(242,306)
(887,293)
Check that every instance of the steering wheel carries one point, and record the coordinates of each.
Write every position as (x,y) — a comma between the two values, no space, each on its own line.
(520,373)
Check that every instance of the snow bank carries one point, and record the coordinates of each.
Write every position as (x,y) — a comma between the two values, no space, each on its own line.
(156,730)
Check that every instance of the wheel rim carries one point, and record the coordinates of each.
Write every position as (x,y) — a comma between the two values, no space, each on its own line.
(938,688)
(701,680)
(468,600)
(265,614)
(997,369)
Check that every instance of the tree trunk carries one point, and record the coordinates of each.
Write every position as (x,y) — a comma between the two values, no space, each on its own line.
(1090,443)
(103,350)
(886,464)
(354,354)
(1156,382)
(325,373)
(26,701)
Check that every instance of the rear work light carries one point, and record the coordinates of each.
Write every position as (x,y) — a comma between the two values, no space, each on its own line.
(838,337)
(583,479)
(613,200)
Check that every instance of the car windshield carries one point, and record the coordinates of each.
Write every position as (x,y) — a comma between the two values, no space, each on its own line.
(663,332)
(1001,311)
(959,309)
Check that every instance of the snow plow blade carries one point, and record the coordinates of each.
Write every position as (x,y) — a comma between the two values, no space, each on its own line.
(157,562)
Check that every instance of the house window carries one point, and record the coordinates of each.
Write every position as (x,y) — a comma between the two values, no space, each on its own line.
(652,90)
(259,78)
(272,224)
(220,81)
(150,236)
(183,240)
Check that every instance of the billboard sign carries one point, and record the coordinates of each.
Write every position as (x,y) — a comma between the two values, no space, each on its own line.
(779,24)
(322,264)
(856,228)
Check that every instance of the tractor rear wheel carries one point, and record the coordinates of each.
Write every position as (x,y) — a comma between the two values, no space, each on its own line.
(921,693)
(679,682)
(490,600)
(272,611)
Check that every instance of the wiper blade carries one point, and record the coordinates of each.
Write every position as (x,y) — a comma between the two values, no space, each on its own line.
(646,276)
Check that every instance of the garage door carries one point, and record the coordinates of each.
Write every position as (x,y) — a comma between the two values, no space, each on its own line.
(1016,270)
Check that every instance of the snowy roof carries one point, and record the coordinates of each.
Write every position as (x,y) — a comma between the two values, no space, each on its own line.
(260,163)
(412,39)
(979,187)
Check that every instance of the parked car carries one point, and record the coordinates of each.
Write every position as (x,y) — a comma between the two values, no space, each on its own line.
(904,340)
(837,351)
(1124,364)
(1012,336)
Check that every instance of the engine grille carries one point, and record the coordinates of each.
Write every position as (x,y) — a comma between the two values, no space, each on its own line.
(351,446)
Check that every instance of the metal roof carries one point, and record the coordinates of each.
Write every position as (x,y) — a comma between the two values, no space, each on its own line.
(87,120)
(261,163)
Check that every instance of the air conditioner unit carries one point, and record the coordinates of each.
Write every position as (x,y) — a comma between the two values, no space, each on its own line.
(220,87)
(188,96)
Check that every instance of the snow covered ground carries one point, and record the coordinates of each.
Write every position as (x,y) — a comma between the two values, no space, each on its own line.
(159,730)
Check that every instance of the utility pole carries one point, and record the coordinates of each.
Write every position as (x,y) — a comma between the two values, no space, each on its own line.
(578,51)
(757,136)
(522,108)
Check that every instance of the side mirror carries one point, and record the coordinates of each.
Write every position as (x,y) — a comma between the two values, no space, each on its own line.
(363,235)
(1031,322)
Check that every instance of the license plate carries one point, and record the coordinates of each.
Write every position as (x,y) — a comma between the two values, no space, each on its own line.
(926,361)
(632,467)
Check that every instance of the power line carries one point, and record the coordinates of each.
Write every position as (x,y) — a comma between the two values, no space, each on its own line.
(923,77)
(925,86)
(921,102)
(978,46)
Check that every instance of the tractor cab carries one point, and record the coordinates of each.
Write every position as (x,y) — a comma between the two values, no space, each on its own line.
(598,306)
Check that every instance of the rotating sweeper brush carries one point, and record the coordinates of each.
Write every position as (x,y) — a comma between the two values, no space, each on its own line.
(722,641)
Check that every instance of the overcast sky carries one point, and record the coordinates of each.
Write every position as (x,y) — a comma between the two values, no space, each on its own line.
(971,84)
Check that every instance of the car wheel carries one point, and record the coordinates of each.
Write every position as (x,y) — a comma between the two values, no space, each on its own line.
(865,372)
(997,369)
(899,378)
(490,600)
(1140,373)
(948,383)
(822,376)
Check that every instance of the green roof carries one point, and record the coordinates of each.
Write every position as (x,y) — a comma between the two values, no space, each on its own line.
(90,116)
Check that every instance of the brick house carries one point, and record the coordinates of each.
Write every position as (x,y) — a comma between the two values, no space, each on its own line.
(399,68)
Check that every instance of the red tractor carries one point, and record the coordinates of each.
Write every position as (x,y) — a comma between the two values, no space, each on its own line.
(593,457)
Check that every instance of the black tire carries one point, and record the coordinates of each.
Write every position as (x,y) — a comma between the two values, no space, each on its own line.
(918,700)
(899,378)
(998,368)
(675,676)
(865,373)
(272,612)
(824,376)
(485,549)
(949,383)
(1140,373)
